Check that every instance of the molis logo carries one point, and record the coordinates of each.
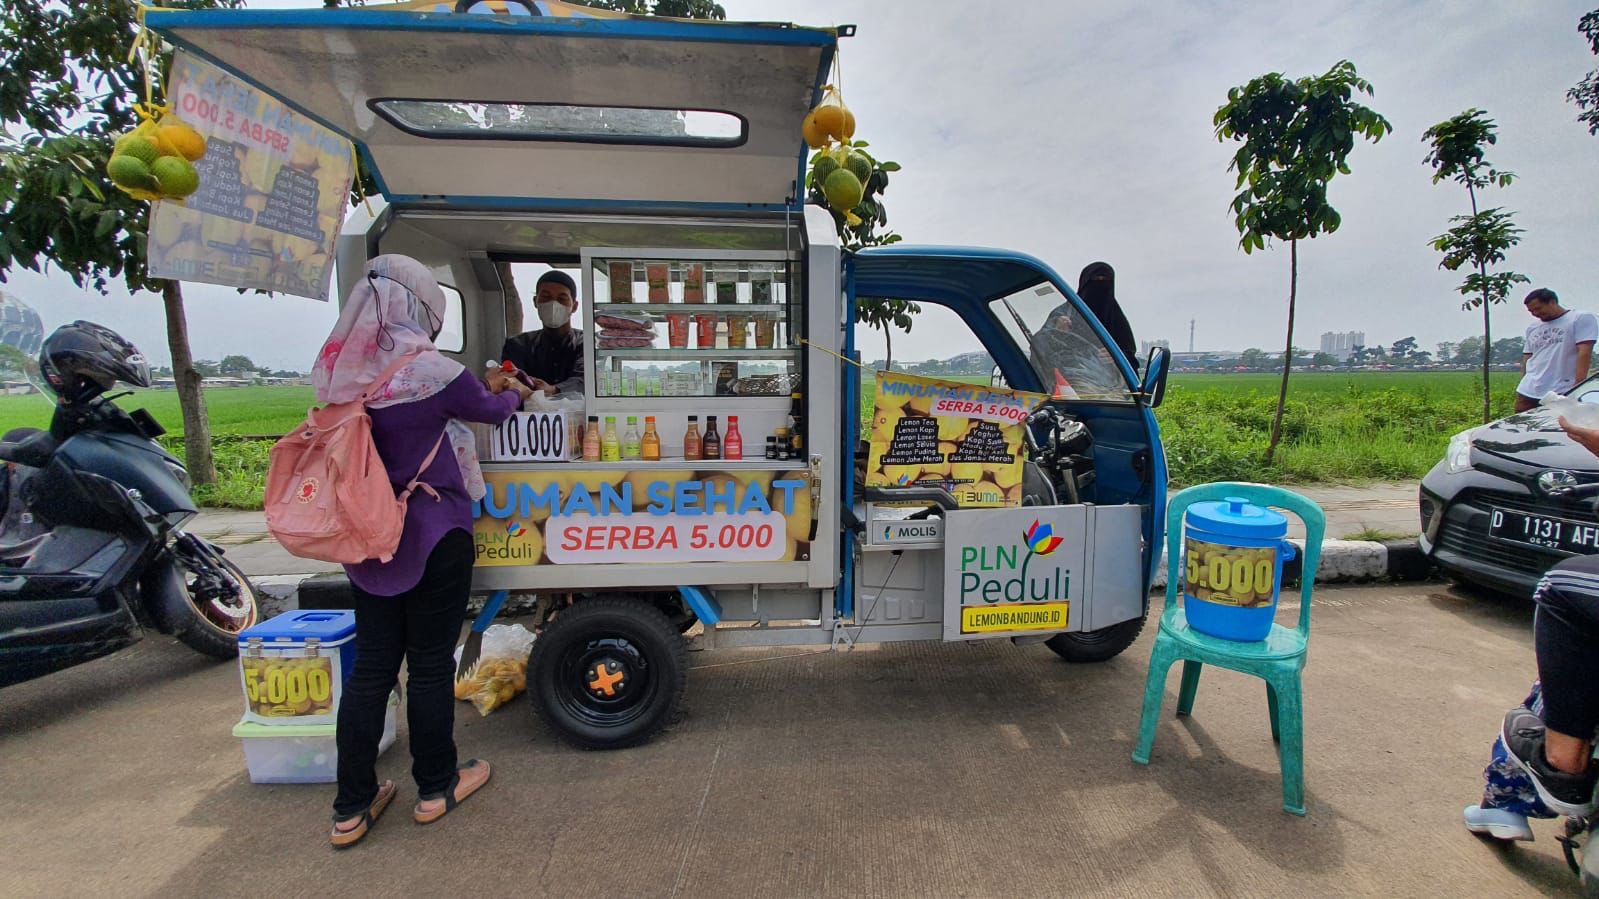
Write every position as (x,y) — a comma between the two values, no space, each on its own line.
(998,573)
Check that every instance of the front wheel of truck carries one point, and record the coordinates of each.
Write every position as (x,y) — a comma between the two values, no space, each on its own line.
(607,673)
(1097,646)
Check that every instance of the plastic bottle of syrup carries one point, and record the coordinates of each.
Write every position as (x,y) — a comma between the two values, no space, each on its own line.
(651,444)
(712,444)
(733,444)
(591,440)
(691,439)
(610,446)
(631,446)
(796,432)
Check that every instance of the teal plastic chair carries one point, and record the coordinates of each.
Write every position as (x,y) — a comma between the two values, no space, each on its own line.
(1278,659)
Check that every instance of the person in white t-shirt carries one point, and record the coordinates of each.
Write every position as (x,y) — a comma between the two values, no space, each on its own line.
(1557,351)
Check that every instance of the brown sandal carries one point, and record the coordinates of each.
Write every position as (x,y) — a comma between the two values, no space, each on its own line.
(451,800)
(344,839)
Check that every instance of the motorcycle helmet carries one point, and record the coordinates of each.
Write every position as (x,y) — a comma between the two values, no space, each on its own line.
(82,359)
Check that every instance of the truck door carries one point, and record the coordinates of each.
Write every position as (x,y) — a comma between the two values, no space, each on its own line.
(1041,338)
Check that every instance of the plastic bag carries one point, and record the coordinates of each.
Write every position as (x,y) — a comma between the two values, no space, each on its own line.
(155,160)
(501,670)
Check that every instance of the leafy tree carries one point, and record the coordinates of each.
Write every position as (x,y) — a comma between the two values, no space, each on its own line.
(677,9)
(233,365)
(207,368)
(1402,348)
(1296,136)
(13,361)
(1446,351)
(1324,360)
(1457,151)
(1421,357)
(1357,354)
(1507,350)
(1252,358)
(877,312)
(70,86)
(1470,351)
(1586,93)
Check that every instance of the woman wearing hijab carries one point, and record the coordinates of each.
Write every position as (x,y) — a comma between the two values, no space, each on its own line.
(552,356)
(411,607)
(1097,288)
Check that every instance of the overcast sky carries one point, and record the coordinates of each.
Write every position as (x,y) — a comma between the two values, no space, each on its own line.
(1080,131)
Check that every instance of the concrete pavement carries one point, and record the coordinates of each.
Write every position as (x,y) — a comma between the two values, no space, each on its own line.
(910,769)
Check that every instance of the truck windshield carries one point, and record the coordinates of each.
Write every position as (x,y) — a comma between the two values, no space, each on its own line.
(1070,358)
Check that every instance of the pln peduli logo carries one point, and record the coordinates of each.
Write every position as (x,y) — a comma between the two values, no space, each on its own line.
(1000,573)
(1041,539)
(515,530)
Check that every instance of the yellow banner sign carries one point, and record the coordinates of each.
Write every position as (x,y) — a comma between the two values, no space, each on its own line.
(1032,616)
(273,189)
(578,516)
(965,438)
(283,687)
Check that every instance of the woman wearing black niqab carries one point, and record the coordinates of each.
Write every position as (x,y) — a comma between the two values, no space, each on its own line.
(1097,288)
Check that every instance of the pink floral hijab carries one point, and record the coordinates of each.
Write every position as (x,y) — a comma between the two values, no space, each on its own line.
(394,312)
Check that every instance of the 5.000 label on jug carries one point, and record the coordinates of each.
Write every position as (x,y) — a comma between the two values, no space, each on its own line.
(283,687)
(1244,576)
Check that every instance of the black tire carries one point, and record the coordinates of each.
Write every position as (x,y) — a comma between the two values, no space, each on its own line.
(209,627)
(628,640)
(1097,646)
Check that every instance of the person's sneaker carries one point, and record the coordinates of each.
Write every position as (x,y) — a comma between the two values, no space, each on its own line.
(1501,824)
(1564,794)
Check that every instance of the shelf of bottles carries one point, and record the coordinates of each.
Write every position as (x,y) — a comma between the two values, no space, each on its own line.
(693,325)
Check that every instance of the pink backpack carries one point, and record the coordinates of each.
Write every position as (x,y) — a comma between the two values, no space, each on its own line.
(328,496)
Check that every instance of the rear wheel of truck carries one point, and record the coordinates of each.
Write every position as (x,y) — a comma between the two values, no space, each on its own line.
(1097,646)
(607,673)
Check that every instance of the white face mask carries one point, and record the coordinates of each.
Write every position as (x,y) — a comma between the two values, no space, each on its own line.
(553,314)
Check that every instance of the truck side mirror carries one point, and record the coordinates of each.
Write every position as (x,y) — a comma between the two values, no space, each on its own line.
(1156,368)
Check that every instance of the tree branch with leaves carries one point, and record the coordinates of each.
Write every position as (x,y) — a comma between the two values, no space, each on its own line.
(1295,136)
(1457,151)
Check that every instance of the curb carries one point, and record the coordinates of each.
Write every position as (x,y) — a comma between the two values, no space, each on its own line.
(1342,562)
(1354,561)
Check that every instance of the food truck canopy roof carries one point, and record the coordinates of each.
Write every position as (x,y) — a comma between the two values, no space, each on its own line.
(538,111)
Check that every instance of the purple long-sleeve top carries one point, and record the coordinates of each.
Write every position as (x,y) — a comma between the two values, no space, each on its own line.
(404,435)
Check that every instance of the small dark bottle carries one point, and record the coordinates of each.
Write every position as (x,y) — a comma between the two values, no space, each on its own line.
(771,447)
(711,443)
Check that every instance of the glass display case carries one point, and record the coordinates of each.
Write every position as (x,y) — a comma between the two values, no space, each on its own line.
(675,333)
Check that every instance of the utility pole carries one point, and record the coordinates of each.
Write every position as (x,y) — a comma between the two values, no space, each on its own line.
(1191,334)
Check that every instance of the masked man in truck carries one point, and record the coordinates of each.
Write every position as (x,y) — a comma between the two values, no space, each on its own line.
(551,358)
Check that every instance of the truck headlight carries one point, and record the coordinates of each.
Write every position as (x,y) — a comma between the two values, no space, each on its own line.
(1458,457)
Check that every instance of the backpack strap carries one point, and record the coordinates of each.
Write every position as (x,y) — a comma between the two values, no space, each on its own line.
(388,375)
(417,483)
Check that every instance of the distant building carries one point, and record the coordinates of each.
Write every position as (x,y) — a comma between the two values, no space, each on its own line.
(20,326)
(1341,344)
(1144,346)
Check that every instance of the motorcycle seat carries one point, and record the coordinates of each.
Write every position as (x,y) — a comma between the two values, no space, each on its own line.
(13,555)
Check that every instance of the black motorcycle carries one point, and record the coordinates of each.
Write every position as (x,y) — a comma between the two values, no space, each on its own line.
(92,548)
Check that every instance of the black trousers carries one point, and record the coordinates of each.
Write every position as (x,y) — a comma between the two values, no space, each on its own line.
(1566,636)
(420,627)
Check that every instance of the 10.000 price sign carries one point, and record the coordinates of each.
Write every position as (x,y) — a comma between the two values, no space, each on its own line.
(535,437)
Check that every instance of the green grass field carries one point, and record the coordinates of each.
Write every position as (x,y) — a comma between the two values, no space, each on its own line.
(1338,427)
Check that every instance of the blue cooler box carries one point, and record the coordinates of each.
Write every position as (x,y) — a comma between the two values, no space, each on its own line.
(1233,554)
(293,667)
